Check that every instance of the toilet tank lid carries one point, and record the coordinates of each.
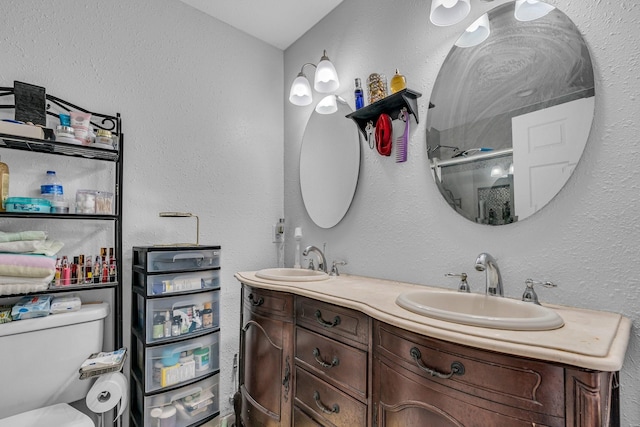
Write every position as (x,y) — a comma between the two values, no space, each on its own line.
(87,313)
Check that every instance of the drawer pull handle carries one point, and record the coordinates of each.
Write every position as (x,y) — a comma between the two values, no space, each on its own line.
(256,302)
(457,368)
(316,355)
(336,320)
(334,410)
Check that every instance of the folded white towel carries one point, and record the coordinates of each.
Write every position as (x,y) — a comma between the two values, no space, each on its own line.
(22,235)
(44,247)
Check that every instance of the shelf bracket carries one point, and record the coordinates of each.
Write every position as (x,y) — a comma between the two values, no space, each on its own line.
(391,105)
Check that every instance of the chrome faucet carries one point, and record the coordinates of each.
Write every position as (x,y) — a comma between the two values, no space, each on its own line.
(485,262)
(322,262)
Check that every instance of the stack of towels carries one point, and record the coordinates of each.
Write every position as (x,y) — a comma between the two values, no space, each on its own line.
(27,261)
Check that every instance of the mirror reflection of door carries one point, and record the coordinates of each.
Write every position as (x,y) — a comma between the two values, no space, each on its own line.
(509,116)
(547,145)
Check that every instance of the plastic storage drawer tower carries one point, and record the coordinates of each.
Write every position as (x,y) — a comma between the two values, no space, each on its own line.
(175,335)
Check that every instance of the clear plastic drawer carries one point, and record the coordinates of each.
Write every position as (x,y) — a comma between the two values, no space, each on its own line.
(153,259)
(174,317)
(163,284)
(182,407)
(178,363)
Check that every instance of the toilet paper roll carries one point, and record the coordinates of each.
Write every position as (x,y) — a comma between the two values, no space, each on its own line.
(108,390)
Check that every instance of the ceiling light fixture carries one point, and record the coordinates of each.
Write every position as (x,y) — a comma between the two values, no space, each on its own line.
(476,33)
(530,10)
(325,81)
(448,12)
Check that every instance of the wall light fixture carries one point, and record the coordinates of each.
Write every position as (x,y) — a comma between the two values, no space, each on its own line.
(476,33)
(530,10)
(325,81)
(448,12)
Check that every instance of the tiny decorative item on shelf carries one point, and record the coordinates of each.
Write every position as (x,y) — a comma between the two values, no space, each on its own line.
(377,85)
(398,82)
(359,97)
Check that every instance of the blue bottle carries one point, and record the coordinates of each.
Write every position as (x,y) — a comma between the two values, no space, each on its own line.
(359,95)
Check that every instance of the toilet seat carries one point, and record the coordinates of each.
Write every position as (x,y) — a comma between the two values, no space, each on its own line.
(59,415)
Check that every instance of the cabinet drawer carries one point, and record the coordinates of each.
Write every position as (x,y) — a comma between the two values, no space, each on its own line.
(344,365)
(172,364)
(406,399)
(272,303)
(337,322)
(182,407)
(163,284)
(500,379)
(164,319)
(154,259)
(327,402)
(300,419)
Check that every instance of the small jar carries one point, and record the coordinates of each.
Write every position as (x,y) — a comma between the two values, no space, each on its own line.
(377,87)
(66,134)
(104,137)
(175,327)
(59,206)
(207,316)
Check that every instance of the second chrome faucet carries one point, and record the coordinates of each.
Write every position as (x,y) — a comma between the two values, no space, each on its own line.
(485,262)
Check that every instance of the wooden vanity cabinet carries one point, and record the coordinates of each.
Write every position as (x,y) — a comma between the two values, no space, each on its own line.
(422,381)
(332,365)
(266,358)
(307,363)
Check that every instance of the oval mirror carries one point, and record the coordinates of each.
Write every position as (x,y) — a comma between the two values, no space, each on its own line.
(510,113)
(329,164)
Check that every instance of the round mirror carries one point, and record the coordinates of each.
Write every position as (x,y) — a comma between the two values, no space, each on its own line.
(510,113)
(329,164)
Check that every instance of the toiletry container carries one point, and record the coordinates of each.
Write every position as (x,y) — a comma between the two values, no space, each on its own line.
(44,355)
(358,95)
(4,185)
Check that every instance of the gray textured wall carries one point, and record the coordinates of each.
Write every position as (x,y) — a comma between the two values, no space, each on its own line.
(399,227)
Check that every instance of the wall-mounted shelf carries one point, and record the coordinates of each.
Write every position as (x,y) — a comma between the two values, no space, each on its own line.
(391,105)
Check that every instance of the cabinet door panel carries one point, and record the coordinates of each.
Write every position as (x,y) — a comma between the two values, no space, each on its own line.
(266,371)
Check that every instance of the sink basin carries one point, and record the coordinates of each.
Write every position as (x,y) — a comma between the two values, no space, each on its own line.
(481,310)
(292,274)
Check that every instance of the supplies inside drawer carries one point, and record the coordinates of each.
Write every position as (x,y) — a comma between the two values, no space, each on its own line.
(173,364)
(185,406)
(179,316)
(162,284)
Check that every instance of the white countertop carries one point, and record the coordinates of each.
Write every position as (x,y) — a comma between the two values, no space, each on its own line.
(589,339)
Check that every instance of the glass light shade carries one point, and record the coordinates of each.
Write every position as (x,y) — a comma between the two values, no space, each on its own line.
(476,33)
(497,172)
(326,80)
(300,93)
(530,10)
(327,105)
(448,12)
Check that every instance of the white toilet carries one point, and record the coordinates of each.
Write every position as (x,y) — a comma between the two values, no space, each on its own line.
(39,362)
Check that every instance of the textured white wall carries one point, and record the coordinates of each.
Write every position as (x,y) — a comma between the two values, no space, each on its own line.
(399,227)
(202,131)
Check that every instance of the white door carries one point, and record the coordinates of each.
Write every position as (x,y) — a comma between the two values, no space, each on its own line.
(547,145)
